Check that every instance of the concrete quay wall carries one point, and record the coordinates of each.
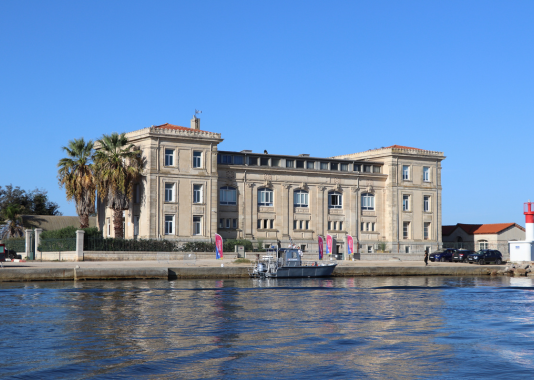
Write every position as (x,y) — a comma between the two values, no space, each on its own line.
(77,274)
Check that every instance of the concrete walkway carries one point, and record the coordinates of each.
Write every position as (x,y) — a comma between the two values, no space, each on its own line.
(213,263)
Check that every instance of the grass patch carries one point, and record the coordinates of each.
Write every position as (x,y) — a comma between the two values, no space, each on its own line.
(242,261)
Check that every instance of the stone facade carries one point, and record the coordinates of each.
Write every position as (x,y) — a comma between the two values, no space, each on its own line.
(388,198)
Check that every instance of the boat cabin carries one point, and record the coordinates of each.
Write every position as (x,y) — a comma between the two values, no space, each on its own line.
(290,257)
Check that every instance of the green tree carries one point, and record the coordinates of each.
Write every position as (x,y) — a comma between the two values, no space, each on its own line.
(117,166)
(75,173)
(33,202)
(13,226)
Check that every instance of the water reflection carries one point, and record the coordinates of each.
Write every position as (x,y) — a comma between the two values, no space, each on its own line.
(342,327)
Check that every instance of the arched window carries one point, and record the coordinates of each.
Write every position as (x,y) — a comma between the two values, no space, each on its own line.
(265,197)
(482,244)
(300,198)
(335,199)
(368,201)
(227,195)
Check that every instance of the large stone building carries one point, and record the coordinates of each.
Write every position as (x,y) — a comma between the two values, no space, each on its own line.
(386,199)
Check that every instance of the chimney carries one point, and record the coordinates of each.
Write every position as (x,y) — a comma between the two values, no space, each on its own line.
(195,122)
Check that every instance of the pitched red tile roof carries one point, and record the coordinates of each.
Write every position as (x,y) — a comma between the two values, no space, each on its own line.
(480,229)
(401,147)
(178,128)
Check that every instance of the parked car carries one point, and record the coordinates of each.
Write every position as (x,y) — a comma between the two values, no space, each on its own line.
(442,255)
(461,255)
(485,256)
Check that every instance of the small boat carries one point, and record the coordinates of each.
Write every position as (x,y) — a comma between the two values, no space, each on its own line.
(287,262)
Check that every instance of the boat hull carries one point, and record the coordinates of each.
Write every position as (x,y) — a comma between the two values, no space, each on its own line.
(305,271)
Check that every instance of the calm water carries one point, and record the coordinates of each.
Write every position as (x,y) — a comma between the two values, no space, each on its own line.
(411,327)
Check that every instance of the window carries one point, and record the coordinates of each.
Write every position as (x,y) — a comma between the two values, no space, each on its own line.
(334,166)
(225,159)
(344,167)
(307,224)
(265,223)
(407,249)
(300,198)
(426,203)
(197,225)
(264,161)
(367,168)
(482,244)
(335,226)
(227,195)
(290,163)
(324,165)
(310,165)
(259,223)
(329,226)
(300,164)
(335,200)
(169,192)
(197,159)
(169,224)
(426,231)
(295,224)
(169,157)
(136,225)
(341,226)
(301,224)
(252,161)
(228,221)
(108,223)
(234,223)
(376,169)
(405,202)
(369,249)
(221,223)
(363,226)
(197,193)
(367,225)
(426,174)
(357,167)
(368,201)
(405,172)
(238,160)
(272,224)
(137,193)
(405,230)
(265,197)
(275,162)
(303,247)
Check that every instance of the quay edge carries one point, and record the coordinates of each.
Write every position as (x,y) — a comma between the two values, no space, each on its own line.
(162,273)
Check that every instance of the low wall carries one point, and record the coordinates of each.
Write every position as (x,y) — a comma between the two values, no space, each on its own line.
(144,256)
(57,256)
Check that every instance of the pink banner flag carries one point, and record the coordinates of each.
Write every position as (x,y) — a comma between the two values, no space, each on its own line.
(218,247)
(321,247)
(350,245)
(328,244)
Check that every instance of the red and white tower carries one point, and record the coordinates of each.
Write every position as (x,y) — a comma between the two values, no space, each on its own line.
(529,220)
(524,250)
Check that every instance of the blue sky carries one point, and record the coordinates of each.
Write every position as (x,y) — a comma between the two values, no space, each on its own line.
(317,77)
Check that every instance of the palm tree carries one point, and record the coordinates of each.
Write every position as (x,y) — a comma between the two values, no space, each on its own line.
(117,166)
(76,174)
(14,225)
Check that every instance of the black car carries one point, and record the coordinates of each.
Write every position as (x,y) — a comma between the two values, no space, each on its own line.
(485,256)
(461,255)
(442,255)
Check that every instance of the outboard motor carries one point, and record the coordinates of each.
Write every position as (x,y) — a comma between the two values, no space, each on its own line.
(262,268)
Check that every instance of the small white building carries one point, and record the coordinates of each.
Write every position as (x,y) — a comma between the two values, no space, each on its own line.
(482,236)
